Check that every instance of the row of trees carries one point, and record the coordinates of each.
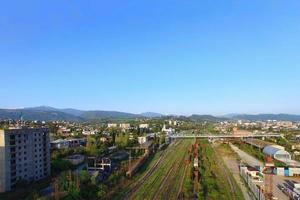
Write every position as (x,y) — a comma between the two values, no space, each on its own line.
(73,187)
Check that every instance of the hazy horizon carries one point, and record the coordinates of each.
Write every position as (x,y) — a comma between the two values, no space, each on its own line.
(175,114)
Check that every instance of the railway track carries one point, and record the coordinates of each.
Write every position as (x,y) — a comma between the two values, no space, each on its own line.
(180,193)
(140,182)
(168,185)
(165,179)
(163,182)
(227,174)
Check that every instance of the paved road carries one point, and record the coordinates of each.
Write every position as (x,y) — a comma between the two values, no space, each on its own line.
(250,160)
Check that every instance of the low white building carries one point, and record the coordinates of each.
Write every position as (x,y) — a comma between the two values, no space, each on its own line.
(125,126)
(64,131)
(168,131)
(59,144)
(112,125)
(89,132)
(144,126)
(174,123)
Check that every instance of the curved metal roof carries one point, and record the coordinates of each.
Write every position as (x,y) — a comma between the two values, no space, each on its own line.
(274,149)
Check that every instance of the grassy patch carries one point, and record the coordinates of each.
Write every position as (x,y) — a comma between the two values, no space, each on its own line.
(255,152)
(213,181)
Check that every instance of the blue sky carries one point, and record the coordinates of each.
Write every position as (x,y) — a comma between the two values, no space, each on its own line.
(168,56)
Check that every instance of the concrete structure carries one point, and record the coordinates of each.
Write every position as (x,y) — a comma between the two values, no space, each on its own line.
(168,131)
(75,159)
(59,144)
(97,164)
(287,171)
(89,132)
(174,123)
(64,131)
(275,151)
(112,125)
(125,126)
(144,126)
(293,171)
(67,143)
(76,142)
(24,156)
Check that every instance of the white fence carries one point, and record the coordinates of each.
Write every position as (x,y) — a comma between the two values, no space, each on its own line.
(256,191)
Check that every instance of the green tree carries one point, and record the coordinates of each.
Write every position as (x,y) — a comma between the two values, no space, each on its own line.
(84,177)
(91,146)
(102,191)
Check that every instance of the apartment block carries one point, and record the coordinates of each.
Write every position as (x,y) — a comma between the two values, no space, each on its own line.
(24,156)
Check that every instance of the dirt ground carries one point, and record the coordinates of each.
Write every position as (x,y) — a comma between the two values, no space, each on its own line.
(231,160)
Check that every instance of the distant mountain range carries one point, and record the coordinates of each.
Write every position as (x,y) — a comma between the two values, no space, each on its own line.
(46,113)
(32,114)
(206,118)
(151,114)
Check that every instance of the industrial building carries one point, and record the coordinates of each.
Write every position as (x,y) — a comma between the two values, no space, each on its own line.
(67,143)
(287,171)
(24,156)
(277,152)
(257,143)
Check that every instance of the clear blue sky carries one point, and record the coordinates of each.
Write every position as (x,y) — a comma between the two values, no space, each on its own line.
(168,56)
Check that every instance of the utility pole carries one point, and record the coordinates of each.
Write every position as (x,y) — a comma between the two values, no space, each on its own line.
(56,190)
(129,167)
(77,182)
(268,171)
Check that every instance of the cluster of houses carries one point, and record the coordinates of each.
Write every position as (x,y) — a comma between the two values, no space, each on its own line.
(263,126)
(127,126)
(269,124)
